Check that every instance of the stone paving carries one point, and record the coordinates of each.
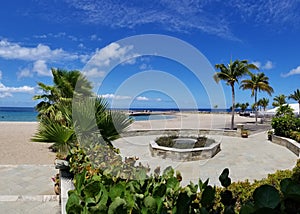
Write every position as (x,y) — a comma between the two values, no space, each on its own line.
(28,189)
(247,158)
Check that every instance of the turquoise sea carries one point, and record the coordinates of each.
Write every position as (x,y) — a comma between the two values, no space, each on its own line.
(28,114)
(18,114)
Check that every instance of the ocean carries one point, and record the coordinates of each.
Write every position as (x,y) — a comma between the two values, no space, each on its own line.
(18,114)
(29,114)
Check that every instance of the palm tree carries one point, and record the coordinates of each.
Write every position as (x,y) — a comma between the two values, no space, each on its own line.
(284,110)
(65,123)
(231,74)
(296,96)
(279,100)
(244,106)
(264,102)
(258,82)
(63,90)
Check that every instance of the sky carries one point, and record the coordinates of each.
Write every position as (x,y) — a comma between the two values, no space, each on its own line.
(148,54)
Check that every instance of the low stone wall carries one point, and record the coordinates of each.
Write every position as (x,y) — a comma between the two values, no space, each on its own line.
(292,145)
(184,154)
(183,132)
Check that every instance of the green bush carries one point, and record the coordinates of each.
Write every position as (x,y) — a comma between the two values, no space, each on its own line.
(284,125)
(100,190)
(295,135)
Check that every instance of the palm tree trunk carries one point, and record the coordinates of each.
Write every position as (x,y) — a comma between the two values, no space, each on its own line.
(255,101)
(233,107)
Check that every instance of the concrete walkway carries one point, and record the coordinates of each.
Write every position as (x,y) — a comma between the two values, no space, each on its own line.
(247,158)
(28,189)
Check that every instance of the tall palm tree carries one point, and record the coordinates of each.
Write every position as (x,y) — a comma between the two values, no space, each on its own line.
(296,96)
(264,102)
(231,74)
(279,100)
(257,82)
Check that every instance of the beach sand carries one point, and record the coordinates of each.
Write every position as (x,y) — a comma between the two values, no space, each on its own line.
(192,121)
(16,147)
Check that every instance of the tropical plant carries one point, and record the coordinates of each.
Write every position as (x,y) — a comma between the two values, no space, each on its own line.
(60,133)
(62,91)
(284,110)
(103,191)
(285,124)
(81,115)
(264,102)
(296,96)
(279,100)
(244,106)
(231,75)
(253,106)
(257,82)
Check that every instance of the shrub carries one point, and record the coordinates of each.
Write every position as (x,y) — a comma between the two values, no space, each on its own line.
(283,126)
(99,191)
(295,135)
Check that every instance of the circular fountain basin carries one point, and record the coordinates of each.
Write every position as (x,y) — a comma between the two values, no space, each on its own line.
(184,143)
(183,150)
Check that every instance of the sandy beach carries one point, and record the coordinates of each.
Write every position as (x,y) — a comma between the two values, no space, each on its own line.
(16,147)
(184,120)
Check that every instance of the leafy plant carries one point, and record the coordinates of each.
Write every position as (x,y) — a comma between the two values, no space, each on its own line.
(69,113)
(284,125)
(97,191)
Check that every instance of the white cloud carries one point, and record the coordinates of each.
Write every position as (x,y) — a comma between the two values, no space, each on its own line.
(294,71)
(179,16)
(116,97)
(0,74)
(279,12)
(40,67)
(22,89)
(94,37)
(6,94)
(9,50)
(94,72)
(26,72)
(8,91)
(43,36)
(113,51)
(142,98)
(81,45)
(268,65)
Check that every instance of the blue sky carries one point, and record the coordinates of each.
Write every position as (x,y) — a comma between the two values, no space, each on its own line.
(78,34)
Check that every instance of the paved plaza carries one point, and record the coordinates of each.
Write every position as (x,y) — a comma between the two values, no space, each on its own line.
(29,189)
